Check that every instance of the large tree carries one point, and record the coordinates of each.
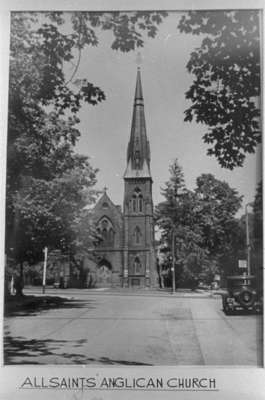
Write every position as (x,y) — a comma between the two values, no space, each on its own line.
(226,88)
(218,205)
(176,218)
(204,223)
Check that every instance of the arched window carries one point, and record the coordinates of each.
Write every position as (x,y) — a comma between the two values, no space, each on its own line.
(137,201)
(137,266)
(134,203)
(106,231)
(104,223)
(140,203)
(137,235)
(111,235)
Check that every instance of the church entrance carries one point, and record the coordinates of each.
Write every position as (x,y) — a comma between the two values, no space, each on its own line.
(104,274)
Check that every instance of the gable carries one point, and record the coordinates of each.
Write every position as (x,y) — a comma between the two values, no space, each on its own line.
(105,207)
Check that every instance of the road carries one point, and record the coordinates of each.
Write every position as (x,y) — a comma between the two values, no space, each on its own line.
(108,328)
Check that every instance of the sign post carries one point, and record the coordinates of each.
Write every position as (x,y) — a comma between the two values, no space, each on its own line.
(173,262)
(45,251)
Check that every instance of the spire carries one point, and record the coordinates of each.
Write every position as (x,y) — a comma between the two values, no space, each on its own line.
(138,89)
(138,153)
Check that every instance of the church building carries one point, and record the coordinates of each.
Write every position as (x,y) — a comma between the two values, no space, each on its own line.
(126,255)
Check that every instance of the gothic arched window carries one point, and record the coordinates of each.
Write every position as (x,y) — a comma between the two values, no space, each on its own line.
(137,235)
(137,201)
(134,203)
(106,230)
(140,203)
(111,235)
(104,233)
(137,266)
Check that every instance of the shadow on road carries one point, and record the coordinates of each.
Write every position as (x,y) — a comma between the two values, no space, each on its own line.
(33,305)
(22,351)
(19,350)
(81,359)
(31,349)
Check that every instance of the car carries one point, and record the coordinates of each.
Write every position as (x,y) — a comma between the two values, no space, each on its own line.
(241,294)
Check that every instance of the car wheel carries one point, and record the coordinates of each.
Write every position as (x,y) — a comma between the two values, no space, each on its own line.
(246,298)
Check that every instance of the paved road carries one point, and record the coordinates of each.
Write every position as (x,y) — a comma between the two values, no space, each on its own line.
(103,328)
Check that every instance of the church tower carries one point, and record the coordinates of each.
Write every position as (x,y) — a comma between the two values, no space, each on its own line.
(139,252)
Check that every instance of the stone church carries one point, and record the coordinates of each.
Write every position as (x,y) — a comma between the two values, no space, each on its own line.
(126,255)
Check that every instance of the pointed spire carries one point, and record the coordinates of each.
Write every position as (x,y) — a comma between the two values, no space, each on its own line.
(138,153)
(138,89)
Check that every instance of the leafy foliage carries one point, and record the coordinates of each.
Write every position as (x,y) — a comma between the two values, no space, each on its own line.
(203,221)
(258,215)
(218,204)
(227,83)
(46,213)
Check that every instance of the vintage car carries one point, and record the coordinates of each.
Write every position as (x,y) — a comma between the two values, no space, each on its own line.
(242,294)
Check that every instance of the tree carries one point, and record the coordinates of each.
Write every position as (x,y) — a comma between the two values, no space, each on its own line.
(167,213)
(226,88)
(52,214)
(177,214)
(204,224)
(222,232)
(218,205)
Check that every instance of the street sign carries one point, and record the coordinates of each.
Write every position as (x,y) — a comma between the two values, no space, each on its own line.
(242,264)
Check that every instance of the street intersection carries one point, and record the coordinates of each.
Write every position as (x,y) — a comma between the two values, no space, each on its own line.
(133,328)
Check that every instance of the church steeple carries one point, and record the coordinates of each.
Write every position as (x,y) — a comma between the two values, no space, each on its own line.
(139,251)
(138,153)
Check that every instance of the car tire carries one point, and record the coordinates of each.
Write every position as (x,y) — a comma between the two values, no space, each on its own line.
(246,298)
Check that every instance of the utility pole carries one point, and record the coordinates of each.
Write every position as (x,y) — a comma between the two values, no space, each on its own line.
(45,251)
(247,238)
(173,262)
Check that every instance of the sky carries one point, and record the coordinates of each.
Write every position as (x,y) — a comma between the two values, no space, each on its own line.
(105,128)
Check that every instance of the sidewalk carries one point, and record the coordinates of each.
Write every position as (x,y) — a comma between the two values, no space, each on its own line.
(167,292)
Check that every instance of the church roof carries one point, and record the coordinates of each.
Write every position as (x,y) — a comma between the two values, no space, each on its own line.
(138,153)
(105,206)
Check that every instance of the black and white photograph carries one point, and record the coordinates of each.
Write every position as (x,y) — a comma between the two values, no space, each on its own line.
(133,199)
